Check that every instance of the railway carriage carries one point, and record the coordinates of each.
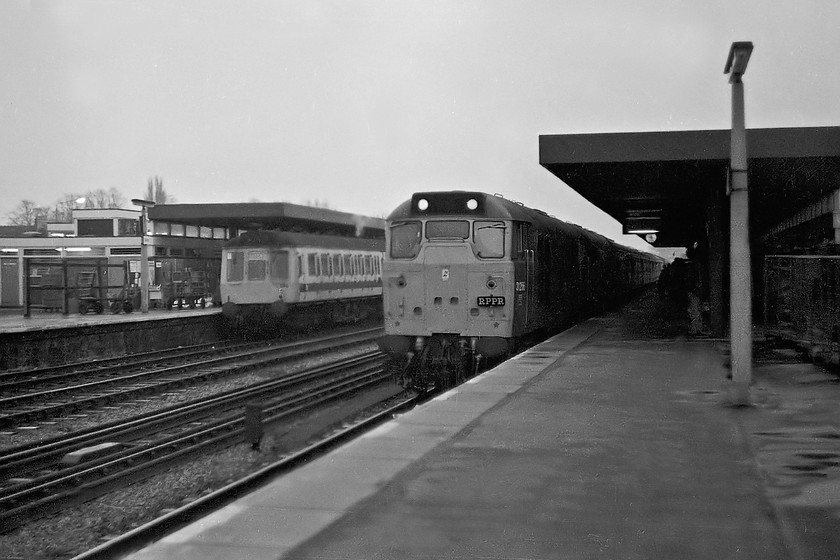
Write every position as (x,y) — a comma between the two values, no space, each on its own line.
(469,276)
(299,279)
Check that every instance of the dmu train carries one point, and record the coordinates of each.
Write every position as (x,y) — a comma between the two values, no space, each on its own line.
(470,276)
(299,279)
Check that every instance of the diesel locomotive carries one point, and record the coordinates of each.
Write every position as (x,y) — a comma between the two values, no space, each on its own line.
(271,278)
(469,276)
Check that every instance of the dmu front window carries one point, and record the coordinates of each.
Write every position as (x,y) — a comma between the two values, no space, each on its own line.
(489,239)
(405,240)
(447,229)
(257,265)
(235,266)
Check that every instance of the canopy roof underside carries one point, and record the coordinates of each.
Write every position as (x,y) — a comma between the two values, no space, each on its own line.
(664,181)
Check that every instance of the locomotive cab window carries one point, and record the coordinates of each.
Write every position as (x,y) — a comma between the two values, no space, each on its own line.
(405,240)
(489,239)
(447,229)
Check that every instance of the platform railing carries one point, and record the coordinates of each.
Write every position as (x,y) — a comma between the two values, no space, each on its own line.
(802,302)
(73,286)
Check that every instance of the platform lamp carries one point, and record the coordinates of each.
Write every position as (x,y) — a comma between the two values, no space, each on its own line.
(740,274)
(144,252)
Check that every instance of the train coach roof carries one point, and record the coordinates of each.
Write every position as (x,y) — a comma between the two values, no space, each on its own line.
(289,239)
(489,206)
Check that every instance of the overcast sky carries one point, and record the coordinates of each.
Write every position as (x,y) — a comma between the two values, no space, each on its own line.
(360,103)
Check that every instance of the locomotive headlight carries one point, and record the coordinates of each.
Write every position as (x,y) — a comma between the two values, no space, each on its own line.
(491,284)
(281,292)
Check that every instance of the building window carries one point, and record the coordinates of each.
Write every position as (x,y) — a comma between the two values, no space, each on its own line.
(128,227)
(121,251)
(96,228)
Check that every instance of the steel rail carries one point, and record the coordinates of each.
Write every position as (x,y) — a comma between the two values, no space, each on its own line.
(15,381)
(17,462)
(224,365)
(61,490)
(93,365)
(153,530)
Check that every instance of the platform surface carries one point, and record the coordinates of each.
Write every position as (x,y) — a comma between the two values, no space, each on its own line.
(614,439)
(13,320)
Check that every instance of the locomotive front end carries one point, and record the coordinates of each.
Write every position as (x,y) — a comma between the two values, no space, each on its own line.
(448,281)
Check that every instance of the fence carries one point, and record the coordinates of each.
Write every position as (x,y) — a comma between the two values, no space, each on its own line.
(802,302)
(77,286)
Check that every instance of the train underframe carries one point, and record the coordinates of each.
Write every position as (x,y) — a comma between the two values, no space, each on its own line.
(262,320)
(440,361)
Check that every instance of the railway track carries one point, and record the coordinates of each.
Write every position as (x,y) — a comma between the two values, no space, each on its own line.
(121,382)
(40,379)
(130,541)
(37,483)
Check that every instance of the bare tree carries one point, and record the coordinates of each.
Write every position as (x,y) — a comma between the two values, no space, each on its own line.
(63,210)
(116,199)
(27,213)
(317,203)
(65,205)
(156,192)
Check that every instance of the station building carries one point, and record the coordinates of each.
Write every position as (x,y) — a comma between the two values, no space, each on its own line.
(100,249)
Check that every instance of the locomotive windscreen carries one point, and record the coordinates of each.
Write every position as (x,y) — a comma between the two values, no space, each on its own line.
(447,229)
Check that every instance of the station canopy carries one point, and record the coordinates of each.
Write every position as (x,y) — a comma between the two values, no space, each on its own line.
(665,181)
(274,215)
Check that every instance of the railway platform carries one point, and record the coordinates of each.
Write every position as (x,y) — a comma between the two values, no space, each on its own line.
(49,339)
(13,320)
(614,439)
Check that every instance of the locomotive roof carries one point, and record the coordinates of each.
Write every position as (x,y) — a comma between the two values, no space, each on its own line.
(454,203)
(272,238)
